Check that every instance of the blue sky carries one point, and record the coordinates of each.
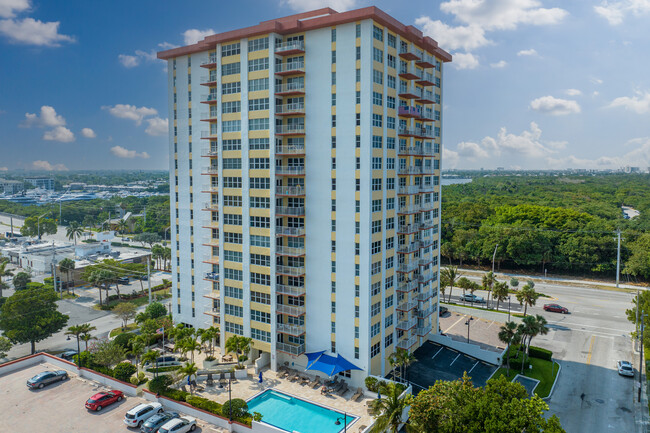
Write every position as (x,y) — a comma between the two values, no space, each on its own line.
(534,83)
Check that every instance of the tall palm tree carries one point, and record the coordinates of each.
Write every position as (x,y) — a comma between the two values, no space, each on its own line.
(451,275)
(4,272)
(167,257)
(157,254)
(66,266)
(77,331)
(527,296)
(136,348)
(539,328)
(122,226)
(488,283)
(189,370)
(208,336)
(388,410)
(506,335)
(500,292)
(86,338)
(527,327)
(191,344)
(464,283)
(74,231)
(239,346)
(87,328)
(89,222)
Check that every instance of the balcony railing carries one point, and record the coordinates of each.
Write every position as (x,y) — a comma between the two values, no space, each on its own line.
(289,109)
(423,332)
(426,79)
(290,290)
(408,229)
(423,314)
(290,251)
(423,278)
(407,286)
(210,61)
(427,188)
(211,206)
(210,170)
(426,61)
(213,311)
(209,258)
(294,149)
(290,129)
(290,310)
(295,330)
(405,268)
(290,67)
(290,47)
(408,111)
(211,97)
(290,190)
(411,189)
(411,169)
(291,349)
(294,271)
(423,297)
(208,134)
(410,92)
(409,73)
(295,87)
(407,342)
(411,208)
(209,152)
(289,171)
(210,188)
(290,211)
(409,52)
(405,325)
(289,231)
(206,115)
(409,248)
(212,276)
(209,79)
(407,306)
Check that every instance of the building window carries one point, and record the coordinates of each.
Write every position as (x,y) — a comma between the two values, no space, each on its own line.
(260,316)
(230,50)
(391,81)
(358,53)
(377,120)
(261,279)
(258,44)
(258,124)
(358,76)
(375,329)
(258,84)
(388,340)
(358,30)
(378,55)
(258,334)
(258,64)
(230,69)
(390,60)
(233,292)
(234,310)
(260,298)
(258,104)
(377,98)
(377,77)
(378,33)
(375,350)
(392,41)
(333,56)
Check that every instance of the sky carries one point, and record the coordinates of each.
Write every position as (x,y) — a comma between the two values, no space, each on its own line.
(534,84)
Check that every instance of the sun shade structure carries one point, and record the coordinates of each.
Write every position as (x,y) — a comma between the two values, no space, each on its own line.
(327,364)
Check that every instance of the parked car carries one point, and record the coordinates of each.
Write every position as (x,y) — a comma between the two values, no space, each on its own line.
(470,297)
(625,368)
(443,310)
(140,413)
(47,377)
(556,308)
(102,399)
(68,355)
(163,361)
(156,421)
(123,280)
(179,425)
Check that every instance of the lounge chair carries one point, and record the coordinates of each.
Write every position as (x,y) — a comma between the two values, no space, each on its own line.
(314,383)
(284,374)
(338,387)
(304,380)
(294,376)
(343,390)
(357,395)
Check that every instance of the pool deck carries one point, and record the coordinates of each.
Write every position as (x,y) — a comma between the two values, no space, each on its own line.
(250,387)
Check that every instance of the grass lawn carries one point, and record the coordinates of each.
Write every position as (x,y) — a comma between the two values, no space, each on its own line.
(117,331)
(158,295)
(475,308)
(70,296)
(542,370)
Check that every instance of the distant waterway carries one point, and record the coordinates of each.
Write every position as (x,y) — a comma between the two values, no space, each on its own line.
(454,180)
(629,212)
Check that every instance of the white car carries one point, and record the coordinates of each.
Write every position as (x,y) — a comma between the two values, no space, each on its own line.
(470,297)
(179,425)
(625,368)
(140,413)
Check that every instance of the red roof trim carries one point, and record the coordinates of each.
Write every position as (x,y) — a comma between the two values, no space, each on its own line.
(316,19)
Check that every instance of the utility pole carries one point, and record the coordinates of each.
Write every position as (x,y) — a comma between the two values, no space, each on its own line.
(149,276)
(494,255)
(641,359)
(637,315)
(145,214)
(618,255)
(11,222)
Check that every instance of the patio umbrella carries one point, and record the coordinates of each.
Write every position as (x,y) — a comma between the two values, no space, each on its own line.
(328,364)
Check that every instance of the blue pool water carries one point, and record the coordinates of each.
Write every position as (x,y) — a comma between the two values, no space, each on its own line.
(295,415)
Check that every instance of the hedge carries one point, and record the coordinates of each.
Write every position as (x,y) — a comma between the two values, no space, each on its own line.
(538,352)
(123,371)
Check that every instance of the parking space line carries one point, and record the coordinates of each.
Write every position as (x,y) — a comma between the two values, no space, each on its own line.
(452,362)
(470,370)
(591,346)
(440,350)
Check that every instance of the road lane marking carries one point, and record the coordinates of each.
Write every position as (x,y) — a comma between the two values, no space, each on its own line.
(470,370)
(452,362)
(440,350)
(591,346)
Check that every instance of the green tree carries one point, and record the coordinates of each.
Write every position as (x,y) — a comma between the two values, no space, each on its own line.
(125,311)
(86,330)
(449,275)
(122,226)
(66,266)
(527,296)
(500,292)
(389,409)
(147,238)
(5,346)
(189,370)
(488,281)
(136,348)
(157,252)
(155,310)
(31,227)
(506,335)
(30,316)
(639,262)
(74,231)
(21,280)
(240,346)
(208,336)
(4,272)
(514,283)
(107,353)
(76,330)
(400,360)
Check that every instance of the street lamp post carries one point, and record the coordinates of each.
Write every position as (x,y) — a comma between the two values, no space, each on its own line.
(345,421)
(467,322)
(508,308)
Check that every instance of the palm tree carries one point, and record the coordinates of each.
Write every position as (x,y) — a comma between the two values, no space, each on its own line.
(238,345)
(488,282)
(208,336)
(87,328)
(137,349)
(66,266)
(191,344)
(89,222)
(86,338)
(527,328)
(464,283)
(450,274)
(167,257)
(77,331)
(150,357)
(122,226)
(500,292)
(401,359)
(157,254)
(4,272)
(527,296)
(74,231)
(506,335)
(189,370)
(388,410)
(539,328)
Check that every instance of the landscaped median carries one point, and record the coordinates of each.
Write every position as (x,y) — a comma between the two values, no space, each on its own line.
(544,369)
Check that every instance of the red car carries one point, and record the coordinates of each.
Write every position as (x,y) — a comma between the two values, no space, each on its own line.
(102,399)
(556,308)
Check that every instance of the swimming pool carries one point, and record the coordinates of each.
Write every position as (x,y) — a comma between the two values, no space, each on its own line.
(296,415)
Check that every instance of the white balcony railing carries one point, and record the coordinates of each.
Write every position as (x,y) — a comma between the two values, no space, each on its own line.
(290,310)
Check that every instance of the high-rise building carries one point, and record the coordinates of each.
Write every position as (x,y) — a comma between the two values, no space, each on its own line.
(305,185)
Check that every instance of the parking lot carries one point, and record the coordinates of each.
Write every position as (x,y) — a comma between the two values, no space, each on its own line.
(436,362)
(58,408)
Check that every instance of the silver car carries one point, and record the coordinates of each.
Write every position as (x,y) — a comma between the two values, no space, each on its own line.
(47,377)
(625,368)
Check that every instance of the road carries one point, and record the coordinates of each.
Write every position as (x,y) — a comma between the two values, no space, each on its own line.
(590,395)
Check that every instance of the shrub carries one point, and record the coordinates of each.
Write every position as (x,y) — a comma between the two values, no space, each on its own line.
(538,352)
(239,408)
(174,394)
(134,380)
(124,339)
(204,403)
(160,384)
(164,369)
(124,370)
(371,383)
(86,359)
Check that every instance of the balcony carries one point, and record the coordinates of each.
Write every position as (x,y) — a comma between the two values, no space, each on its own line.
(413,132)
(296,149)
(426,277)
(290,129)
(297,88)
(295,330)
(208,258)
(283,170)
(210,63)
(211,98)
(210,80)
(408,229)
(410,92)
(292,271)
(289,231)
(409,73)
(290,310)
(405,325)
(407,286)
(406,268)
(210,170)
(426,79)
(210,135)
(213,311)
(210,188)
(207,116)
(291,68)
(211,206)
(427,115)
(212,294)
(426,61)
(423,297)
(428,206)
(407,306)
(212,242)
(290,251)
(424,262)
(209,152)
(410,53)
(211,276)
(426,224)
(423,332)
(426,98)
(408,111)
(423,314)
(408,209)
(290,109)
(407,190)
(291,349)
(406,343)
(290,211)
(409,248)
(290,48)
(290,191)
(294,291)
(427,188)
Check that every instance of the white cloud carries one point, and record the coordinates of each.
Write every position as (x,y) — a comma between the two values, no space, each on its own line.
(88,133)
(122,152)
(9,8)
(453,38)
(502,14)
(638,157)
(127,111)
(4,169)
(157,126)
(529,52)
(468,149)
(573,92)
(595,80)
(60,133)
(308,5)
(450,158)
(640,103)
(555,106)
(192,36)
(465,61)
(44,165)
(615,11)
(48,117)
(129,61)
(33,32)
(500,64)
(167,45)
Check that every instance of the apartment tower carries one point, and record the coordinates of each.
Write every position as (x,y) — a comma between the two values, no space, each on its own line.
(305,186)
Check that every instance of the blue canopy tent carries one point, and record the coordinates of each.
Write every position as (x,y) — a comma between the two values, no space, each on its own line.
(328,364)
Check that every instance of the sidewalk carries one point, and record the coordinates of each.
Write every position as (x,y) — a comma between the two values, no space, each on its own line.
(482,313)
